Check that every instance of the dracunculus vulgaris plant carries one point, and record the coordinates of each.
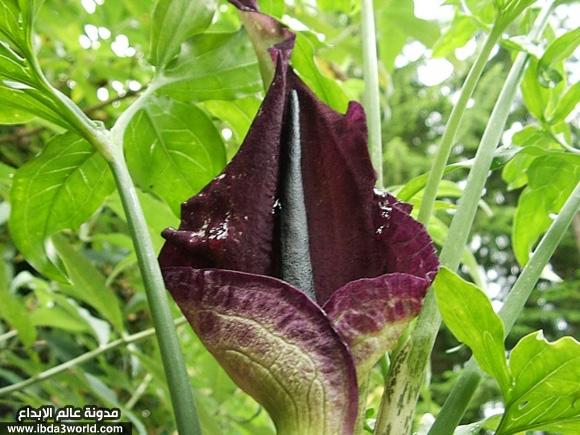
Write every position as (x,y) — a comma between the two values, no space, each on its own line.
(295,273)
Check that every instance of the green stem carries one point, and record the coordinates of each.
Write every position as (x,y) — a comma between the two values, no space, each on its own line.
(110,145)
(371,95)
(53,371)
(452,127)
(456,404)
(171,355)
(403,387)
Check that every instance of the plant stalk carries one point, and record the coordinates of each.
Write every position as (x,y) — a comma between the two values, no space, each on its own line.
(462,392)
(110,145)
(452,127)
(171,355)
(371,95)
(404,385)
(53,371)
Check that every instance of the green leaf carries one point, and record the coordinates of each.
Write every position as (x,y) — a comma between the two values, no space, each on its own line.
(88,284)
(558,50)
(30,101)
(14,116)
(325,88)
(238,114)
(551,179)
(275,8)
(396,24)
(335,5)
(468,313)
(459,33)
(173,150)
(536,97)
(59,189)
(544,395)
(157,214)
(489,423)
(174,21)
(12,310)
(566,104)
(216,66)
(509,10)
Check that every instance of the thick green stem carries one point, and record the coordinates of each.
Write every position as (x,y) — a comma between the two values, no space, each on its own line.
(403,386)
(452,126)
(110,145)
(171,355)
(53,371)
(371,96)
(456,404)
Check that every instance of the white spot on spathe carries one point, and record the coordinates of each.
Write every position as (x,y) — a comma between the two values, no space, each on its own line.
(434,71)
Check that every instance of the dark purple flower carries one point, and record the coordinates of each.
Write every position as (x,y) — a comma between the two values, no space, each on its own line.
(293,270)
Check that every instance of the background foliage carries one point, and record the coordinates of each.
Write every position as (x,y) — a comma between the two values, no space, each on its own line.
(99,53)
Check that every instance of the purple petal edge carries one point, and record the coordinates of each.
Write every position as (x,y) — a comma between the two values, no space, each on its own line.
(275,343)
(370,314)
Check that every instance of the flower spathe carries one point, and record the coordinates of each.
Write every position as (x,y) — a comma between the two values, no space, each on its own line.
(295,207)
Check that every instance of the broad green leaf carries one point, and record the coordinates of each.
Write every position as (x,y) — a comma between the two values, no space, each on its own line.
(157,214)
(489,423)
(566,104)
(559,49)
(461,30)
(30,101)
(536,97)
(551,179)
(14,116)
(396,24)
(238,114)
(544,395)
(335,5)
(174,21)
(468,313)
(509,10)
(324,87)
(12,310)
(216,66)
(88,284)
(173,150)
(15,313)
(274,8)
(60,189)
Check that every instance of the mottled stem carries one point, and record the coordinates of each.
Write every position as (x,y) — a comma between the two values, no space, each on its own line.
(404,384)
